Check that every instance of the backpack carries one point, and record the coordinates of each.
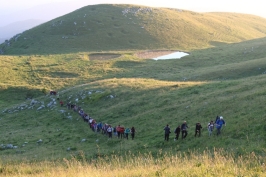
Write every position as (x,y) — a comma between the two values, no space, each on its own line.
(210,126)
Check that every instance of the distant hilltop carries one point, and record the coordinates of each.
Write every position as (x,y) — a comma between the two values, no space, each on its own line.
(123,27)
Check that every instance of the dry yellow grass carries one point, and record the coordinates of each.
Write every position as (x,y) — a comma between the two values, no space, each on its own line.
(217,163)
(143,83)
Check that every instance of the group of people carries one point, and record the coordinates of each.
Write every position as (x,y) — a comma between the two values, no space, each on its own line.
(122,132)
(105,129)
(219,122)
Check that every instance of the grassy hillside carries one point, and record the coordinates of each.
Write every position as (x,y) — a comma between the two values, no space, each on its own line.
(116,86)
(123,27)
(227,80)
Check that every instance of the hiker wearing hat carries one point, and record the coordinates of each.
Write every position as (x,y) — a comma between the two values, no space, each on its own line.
(219,124)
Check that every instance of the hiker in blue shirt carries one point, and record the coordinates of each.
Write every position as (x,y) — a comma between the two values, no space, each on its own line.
(219,124)
(127,131)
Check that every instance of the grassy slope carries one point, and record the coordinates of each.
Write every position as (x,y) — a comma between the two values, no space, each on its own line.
(123,27)
(226,80)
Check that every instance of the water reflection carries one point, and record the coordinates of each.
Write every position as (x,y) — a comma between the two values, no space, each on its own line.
(175,55)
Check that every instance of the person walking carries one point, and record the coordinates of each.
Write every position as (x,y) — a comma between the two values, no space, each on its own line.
(177,132)
(132,133)
(109,131)
(115,132)
(166,132)
(122,132)
(118,131)
(68,106)
(127,131)
(210,127)
(198,129)
(184,128)
(219,124)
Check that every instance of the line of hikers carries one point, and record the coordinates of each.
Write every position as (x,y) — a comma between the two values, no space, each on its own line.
(122,132)
(183,129)
(106,129)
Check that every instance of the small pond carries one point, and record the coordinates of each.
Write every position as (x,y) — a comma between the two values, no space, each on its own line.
(175,55)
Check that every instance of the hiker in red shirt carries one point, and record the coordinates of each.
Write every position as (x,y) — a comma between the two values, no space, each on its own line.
(118,130)
(122,132)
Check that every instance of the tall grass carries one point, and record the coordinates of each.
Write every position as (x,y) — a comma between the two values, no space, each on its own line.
(208,163)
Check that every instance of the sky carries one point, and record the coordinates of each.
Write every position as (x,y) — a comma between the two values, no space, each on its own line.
(17,10)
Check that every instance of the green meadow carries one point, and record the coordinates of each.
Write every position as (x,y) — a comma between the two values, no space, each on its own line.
(224,74)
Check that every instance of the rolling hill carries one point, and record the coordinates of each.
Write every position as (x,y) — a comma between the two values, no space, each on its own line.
(122,27)
(224,74)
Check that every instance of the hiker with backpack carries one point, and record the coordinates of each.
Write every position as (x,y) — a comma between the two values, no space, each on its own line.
(99,126)
(177,132)
(184,128)
(127,131)
(166,132)
(219,124)
(217,118)
(198,129)
(210,127)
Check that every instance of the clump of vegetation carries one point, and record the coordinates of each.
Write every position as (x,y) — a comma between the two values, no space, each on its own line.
(44,91)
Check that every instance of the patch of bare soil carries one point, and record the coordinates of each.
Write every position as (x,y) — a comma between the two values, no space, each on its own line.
(153,53)
(103,56)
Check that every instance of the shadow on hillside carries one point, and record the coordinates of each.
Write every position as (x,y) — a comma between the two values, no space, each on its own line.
(217,43)
(9,94)
(63,74)
(103,56)
(222,62)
